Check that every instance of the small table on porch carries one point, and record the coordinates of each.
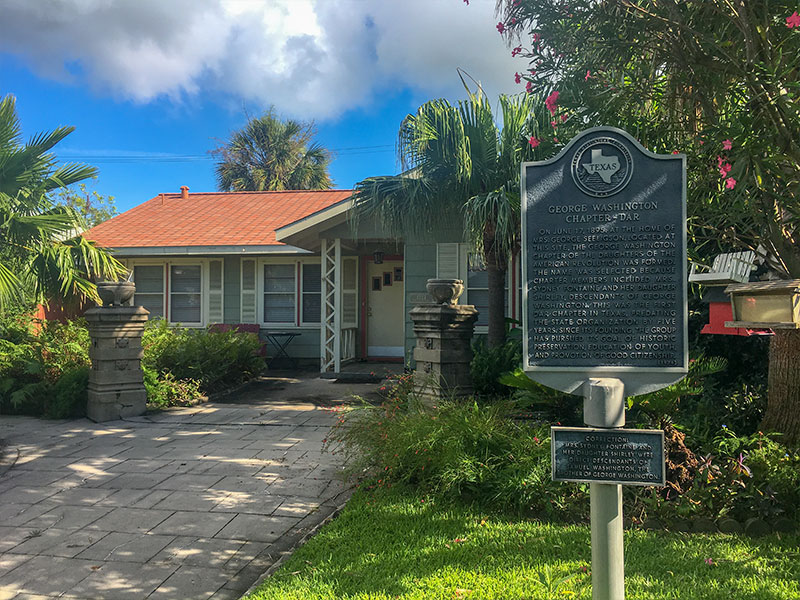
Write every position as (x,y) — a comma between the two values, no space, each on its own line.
(280,340)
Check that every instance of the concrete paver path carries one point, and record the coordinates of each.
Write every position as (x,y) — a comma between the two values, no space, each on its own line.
(189,503)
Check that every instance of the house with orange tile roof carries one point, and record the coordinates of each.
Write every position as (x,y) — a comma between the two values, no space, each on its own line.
(291,263)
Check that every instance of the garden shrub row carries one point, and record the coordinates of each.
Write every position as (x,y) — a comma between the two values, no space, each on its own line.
(180,363)
(44,368)
(44,372)
(466,451)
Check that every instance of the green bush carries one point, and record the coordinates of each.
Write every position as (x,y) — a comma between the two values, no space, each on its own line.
(488,364)
(32,365)
(472,452)
(738,477)
(165,390)
(461,451)
(45,372)
(213,359)
(69,395)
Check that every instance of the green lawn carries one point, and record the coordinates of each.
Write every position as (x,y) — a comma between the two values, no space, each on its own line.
(391,545)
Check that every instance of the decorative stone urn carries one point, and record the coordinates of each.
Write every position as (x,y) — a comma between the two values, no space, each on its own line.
(445,291)
(115,293)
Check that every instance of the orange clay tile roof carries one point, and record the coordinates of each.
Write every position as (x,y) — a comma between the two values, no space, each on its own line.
(211,219)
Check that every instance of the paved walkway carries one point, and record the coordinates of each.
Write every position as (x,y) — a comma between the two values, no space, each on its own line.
(186,504)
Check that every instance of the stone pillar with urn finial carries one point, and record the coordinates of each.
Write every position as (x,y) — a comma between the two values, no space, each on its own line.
(443,350)
(116,384)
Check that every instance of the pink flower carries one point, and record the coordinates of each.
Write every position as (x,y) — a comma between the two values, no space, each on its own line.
(513,20)
(517,78)
(730,183)
(555,139)
(551,102)
(793,20)
(727,145)
(536,38)
(534,142)
(516,51)
(501,27)
(709,561)
(702,142)
(563,117)
(529,87)
(588,75)
(675,152)
(724,167)
(554,123)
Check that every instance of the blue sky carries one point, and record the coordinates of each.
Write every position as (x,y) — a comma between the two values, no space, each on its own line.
(152,87)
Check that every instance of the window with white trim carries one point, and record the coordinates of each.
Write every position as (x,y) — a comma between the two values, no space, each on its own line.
(279,291)
(186,294)
(477,288)
(454,260)
(149,280)
(311,293)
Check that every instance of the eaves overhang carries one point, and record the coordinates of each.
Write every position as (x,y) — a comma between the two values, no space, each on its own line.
(306,232)
(206,250)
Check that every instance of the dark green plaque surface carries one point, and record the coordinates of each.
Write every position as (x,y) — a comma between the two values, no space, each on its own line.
(604,261)
(624,456)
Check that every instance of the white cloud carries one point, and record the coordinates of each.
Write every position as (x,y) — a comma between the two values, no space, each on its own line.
(310,58)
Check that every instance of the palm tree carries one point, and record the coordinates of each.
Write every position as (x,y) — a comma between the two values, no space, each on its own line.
(270,154)
(42,257)
(457,160)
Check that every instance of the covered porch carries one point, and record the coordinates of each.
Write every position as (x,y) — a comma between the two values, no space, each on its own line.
(362,289)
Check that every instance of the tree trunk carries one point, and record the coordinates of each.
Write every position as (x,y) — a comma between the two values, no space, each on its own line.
(496,272)
(783,400)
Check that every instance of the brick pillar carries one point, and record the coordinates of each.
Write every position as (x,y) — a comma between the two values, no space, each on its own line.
(116,386)
(443,350)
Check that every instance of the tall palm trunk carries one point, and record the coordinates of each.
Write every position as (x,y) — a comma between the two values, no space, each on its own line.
(783,402)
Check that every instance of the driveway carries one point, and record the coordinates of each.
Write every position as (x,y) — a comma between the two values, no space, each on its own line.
(188,503)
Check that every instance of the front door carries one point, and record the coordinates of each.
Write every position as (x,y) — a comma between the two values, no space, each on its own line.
(384,285)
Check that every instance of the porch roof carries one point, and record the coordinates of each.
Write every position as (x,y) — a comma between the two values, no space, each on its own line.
(305,232)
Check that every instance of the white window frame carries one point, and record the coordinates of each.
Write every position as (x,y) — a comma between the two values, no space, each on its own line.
(299,275)
(297,323)
(514,309)
(167,300)
(203,264)
(131,263)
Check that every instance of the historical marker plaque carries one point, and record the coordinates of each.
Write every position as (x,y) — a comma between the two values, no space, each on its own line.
(623,456)
(604,259)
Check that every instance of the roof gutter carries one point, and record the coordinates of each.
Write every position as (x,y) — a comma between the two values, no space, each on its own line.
(204,250)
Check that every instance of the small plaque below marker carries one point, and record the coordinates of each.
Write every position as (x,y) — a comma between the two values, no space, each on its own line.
(620,456)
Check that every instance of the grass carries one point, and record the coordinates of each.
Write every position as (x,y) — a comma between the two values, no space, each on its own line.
(395,545)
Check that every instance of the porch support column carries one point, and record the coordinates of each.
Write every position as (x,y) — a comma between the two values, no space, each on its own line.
(330,330)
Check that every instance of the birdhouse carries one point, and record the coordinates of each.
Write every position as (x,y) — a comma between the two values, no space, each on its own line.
(726,269)
(765,304)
